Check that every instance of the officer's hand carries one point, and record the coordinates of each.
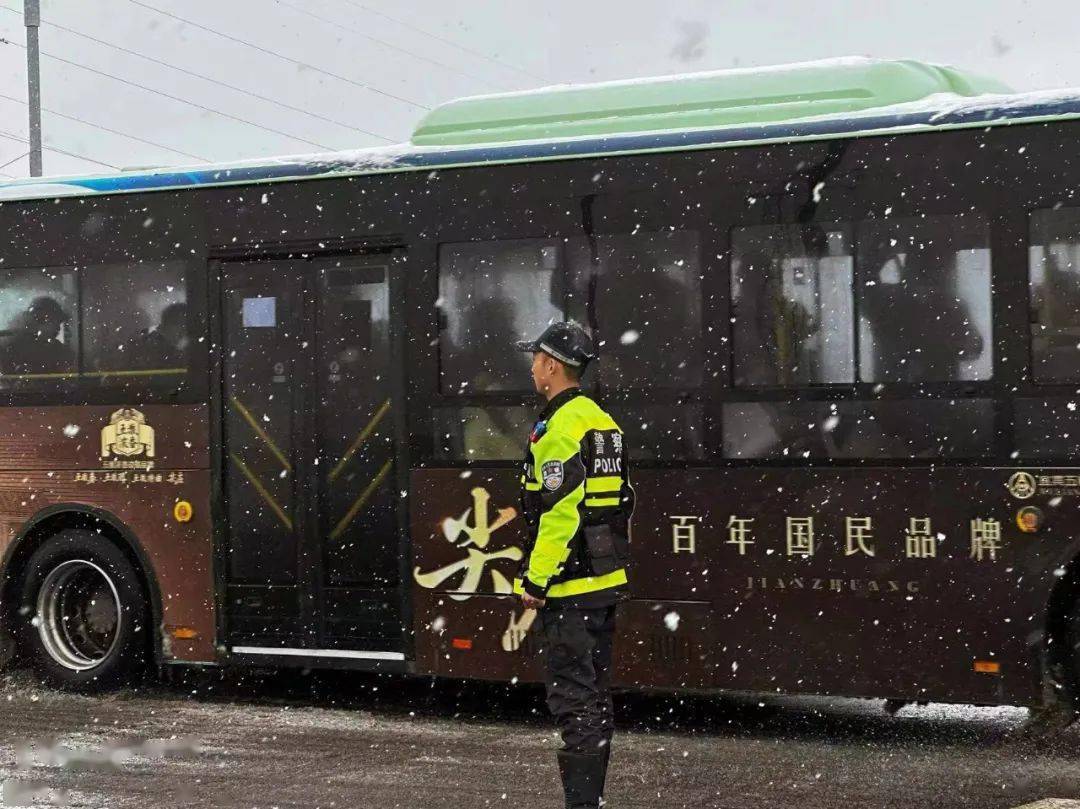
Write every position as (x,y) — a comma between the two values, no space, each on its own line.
(531,602)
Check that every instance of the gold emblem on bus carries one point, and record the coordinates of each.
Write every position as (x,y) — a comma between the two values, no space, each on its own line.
(127,435)
(182,511)
(1021,485)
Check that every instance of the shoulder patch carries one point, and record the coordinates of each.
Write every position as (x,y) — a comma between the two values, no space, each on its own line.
(552,474)
(538,431)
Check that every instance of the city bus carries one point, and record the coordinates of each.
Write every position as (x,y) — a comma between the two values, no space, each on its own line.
(268,414)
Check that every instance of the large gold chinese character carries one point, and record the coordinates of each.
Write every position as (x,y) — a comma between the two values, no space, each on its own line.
(477,535)
(919,540)
(800,536)
(857,533)
(739,529)
(985,538)
(683,533)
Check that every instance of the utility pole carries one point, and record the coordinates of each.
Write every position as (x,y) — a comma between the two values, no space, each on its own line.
(32,17)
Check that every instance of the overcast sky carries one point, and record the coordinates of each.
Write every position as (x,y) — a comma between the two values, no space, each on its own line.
(172,82)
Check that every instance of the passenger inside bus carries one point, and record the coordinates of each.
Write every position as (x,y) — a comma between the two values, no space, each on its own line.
(921,326)
(165,346)
(647,309)
(773,330)
(35,344)
(1055,313)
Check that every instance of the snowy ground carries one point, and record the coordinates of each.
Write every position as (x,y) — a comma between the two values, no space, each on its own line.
(347,740)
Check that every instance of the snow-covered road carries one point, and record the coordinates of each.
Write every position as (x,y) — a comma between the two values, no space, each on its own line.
(348,740)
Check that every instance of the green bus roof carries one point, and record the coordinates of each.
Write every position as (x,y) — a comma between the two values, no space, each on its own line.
(695,101)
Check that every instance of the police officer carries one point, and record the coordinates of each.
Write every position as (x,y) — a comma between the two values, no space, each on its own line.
(577,502)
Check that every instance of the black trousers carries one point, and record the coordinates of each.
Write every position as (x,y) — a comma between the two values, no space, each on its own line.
(577,663)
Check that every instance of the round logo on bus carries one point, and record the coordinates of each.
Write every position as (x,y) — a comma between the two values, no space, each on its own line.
(182,511)
(1021,485)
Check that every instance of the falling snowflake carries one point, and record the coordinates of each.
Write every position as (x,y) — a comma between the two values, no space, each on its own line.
(671,621)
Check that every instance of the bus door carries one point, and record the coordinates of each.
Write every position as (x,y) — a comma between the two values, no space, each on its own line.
(354,469)
(262,366)
(312,541)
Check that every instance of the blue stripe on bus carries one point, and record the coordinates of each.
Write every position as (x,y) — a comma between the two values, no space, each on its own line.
(569,148)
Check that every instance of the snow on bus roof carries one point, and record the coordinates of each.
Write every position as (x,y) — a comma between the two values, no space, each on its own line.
(901,99)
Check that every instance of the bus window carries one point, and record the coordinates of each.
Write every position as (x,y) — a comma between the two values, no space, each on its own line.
(135,323)
(1054,262)
(924,300)
(643,292)
(492,294)
(38,327)
(488,433)
(1048,429)
(792,305)
(656,432)
(928,428)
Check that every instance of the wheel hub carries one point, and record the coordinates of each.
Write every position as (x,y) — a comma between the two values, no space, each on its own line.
(79,614)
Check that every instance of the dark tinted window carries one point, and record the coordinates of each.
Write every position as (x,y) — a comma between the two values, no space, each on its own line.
(39,327)
(1054,260)
(643,293)
(489,433)
(114,325)
(639,293)
(930,428)
(924,300)
(1048,428)
(492,294)
(660,432)
(135,323)
(791,290)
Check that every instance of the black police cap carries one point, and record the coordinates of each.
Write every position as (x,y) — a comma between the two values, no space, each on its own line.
(567,342)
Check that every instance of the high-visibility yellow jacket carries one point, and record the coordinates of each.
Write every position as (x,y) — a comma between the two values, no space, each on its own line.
(577,503)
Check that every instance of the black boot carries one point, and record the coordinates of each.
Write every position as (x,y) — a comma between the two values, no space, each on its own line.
(582,778)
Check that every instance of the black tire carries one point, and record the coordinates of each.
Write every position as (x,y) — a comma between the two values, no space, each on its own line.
(84,619)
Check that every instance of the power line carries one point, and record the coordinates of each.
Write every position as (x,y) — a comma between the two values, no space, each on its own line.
(181,100)
(111,131)
(25,142)
(350,29)
(444,40)
(5,165)
(210,79)
(277,55)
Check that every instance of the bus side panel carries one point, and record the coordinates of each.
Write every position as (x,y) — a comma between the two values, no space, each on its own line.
(467,539)
(65,456)
(798,580)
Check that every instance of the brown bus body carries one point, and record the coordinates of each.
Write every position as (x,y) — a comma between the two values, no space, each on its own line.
(716,610)
(51,471)
(337,517)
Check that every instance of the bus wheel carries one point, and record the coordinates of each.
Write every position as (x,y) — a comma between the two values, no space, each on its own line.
(84,613)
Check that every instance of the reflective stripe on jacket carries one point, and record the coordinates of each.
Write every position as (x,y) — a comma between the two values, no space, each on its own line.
(577,502)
